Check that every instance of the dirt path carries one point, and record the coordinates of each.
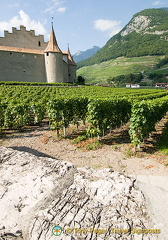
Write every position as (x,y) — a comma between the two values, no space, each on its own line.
(42,142)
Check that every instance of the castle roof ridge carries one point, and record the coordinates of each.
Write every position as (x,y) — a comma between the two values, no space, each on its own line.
(22,50)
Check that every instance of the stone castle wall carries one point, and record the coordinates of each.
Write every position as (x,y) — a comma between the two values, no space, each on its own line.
(23,39)
(65,71)
(24,67)
(72,73)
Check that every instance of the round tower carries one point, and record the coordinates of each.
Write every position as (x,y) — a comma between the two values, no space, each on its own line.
(53,60)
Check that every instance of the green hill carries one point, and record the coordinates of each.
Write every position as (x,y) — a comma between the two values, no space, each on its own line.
(100,73)
(146,34)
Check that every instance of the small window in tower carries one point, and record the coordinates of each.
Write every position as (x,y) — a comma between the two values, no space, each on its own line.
(24,70)
(39,44)
(10,53)
(47,53)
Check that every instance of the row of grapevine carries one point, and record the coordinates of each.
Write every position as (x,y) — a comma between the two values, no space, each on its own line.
(15,116)
(103,114)
(61,112)
(144,116)
(28,94)
(106,114)
(103,108)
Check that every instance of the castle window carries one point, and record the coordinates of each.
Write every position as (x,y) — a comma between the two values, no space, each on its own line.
(39,44)
(24,70)
(10,53)
(47,53)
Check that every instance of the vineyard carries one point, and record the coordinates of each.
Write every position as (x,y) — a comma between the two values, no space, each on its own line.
(103,109)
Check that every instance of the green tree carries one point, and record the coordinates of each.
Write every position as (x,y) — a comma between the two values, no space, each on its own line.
(81,80)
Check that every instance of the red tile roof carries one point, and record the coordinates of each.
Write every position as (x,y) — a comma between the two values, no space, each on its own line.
(23,50)
(70,58)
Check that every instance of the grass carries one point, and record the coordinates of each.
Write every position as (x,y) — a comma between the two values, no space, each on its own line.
(82,142)
(94,145)
(79,139)
(105,70)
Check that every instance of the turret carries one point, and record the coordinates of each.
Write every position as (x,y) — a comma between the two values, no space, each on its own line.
(71,68)
(53,60)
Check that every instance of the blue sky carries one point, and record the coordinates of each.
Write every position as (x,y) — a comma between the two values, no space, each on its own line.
(81,23)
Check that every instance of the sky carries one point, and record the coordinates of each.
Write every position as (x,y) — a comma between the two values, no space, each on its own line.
(80,23)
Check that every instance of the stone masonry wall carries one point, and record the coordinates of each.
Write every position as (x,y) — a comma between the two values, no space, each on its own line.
(23,39)
(24,67)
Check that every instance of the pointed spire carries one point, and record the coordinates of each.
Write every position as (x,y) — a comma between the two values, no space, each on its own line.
(52,44)
(70,58)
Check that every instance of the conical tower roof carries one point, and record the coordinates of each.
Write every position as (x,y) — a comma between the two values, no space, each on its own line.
(52,44)
(70,58)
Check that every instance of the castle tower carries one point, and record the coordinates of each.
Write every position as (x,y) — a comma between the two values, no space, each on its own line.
(71,68)
(53,60)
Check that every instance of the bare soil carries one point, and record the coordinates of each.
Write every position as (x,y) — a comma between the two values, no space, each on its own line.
(116,151)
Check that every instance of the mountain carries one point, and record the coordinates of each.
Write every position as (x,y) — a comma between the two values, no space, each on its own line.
(146,34)
(166,9)
(82,55)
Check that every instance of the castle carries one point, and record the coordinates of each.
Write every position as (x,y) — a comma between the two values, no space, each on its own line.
(26,57)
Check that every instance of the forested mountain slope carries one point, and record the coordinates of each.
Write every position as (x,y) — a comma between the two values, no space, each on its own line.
(146,34)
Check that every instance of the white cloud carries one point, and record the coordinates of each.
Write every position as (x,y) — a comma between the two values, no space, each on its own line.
(55,5)
(22,19)
(61,9)
(57,2)
(157,3)
(111,27)
(50,9)
(13,5)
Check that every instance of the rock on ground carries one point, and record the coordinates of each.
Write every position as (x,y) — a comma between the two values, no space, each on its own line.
(38,193)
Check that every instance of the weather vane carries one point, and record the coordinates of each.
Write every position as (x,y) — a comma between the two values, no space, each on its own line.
(52,22)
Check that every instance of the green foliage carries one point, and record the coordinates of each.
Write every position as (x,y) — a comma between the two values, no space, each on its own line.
(34,83)
(127,78)
(104,114)
(62,111)
(158,77)
(38,110)
(80,139)
(80,80)
(104,108)
(2,117)
(138,123)
(162,62)
(144,116)
(162,144)
(16,116)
